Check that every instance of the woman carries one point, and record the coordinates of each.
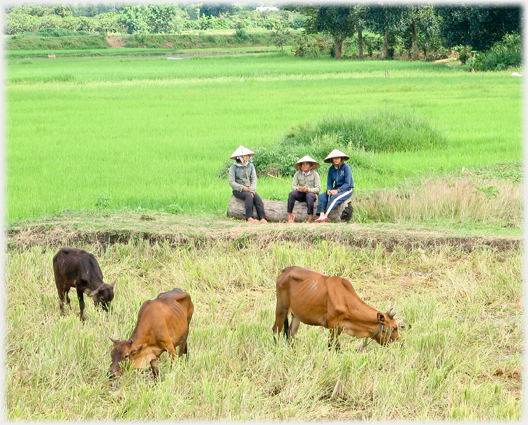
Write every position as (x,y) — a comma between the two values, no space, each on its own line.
(305,187)
(339,186)
(243,180)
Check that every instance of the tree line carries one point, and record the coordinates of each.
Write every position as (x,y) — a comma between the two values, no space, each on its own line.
(419,29)
(146,18)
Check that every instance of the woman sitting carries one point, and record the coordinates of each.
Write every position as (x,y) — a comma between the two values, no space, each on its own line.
(339,187)
(243,180)
(305,187)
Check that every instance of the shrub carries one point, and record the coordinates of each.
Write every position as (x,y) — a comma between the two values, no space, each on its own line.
(54,32)
(360,137)
(502,55)
(241,35)
(378,131)
(310,45)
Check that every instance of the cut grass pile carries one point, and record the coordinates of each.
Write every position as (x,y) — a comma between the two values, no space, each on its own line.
(460,356)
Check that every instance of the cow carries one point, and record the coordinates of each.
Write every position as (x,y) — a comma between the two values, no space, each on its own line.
(162,325)
(76,268)
(331,302)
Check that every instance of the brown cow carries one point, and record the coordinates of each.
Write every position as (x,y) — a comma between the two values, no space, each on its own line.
(75,268)
(332,302)
(162,325)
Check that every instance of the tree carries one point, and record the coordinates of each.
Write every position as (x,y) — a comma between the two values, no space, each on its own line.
(160,18)
(359,14)
(334,20)
(384,20)
(477,26)
(133,19)
(280,36)
(415,20)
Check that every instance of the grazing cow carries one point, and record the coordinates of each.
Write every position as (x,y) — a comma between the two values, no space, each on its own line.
(75,268)
(162,325)
(332,302)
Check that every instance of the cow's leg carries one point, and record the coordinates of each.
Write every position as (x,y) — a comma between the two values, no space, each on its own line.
(335,331)
(154,366)
(281,313)
(61,300)
(294,325)
(183,348)
(81,302)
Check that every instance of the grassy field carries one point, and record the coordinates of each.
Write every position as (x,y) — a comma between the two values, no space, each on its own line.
(460,356)
(147,133)
(122,157)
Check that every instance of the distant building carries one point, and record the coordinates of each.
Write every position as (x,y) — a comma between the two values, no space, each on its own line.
(267,9)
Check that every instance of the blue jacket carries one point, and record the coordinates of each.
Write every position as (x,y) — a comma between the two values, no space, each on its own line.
(340,179)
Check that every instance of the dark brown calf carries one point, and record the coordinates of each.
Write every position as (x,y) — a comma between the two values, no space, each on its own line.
(162,325)
(331,302)
(75,268)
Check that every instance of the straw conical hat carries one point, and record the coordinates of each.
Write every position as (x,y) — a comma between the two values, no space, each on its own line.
(336,153)
(307,158)
(242,151)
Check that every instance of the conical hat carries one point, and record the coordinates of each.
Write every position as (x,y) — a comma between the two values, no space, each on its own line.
(336,153)
(307,158)
(242,151)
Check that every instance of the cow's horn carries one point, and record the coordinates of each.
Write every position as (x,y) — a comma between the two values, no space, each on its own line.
(96,291)
(113,340)
(391,315)
(113,283)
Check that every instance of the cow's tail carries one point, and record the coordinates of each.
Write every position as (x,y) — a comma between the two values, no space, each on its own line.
(286,327)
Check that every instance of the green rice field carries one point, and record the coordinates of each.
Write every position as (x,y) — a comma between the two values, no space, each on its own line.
(139,133)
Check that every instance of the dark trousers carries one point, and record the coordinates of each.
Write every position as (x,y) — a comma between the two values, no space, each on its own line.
(250,200)
(307,197)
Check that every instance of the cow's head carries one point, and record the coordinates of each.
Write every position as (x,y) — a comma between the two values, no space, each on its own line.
(388,330)
(122,351)
(103,295)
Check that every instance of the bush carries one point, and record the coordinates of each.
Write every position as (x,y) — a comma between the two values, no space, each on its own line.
(360,137)
(502,55)
(241,35)
(57,43)
(379,131)
(54,32)
(310,45)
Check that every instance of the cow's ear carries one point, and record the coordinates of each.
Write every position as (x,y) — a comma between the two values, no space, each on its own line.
(137,349)
(381,318)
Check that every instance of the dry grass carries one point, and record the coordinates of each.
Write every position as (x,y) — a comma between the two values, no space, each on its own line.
(460,359)
(462,200)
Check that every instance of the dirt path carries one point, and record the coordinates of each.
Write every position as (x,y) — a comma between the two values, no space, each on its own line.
(115,42)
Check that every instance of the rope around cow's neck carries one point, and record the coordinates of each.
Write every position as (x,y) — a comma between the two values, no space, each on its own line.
(365,343)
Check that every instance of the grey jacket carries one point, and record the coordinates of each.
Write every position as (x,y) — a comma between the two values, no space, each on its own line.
(311,181)
(243,175)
